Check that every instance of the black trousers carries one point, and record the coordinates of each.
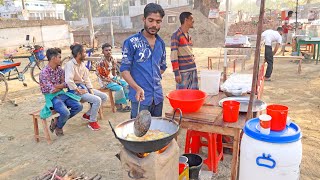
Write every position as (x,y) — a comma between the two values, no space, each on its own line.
(269,58)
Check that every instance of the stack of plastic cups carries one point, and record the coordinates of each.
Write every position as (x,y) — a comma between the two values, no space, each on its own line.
(265,124)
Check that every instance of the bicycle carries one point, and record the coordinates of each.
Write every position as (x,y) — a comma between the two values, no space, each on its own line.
(7,66)
(90,66)
(36,63)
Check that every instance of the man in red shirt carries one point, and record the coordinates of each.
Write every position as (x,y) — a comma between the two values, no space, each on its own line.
(286,27)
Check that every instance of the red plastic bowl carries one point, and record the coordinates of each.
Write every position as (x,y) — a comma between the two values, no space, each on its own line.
(188,100)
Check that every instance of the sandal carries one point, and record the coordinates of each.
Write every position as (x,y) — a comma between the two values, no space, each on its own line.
(59,132)
(126,109)
(53,125)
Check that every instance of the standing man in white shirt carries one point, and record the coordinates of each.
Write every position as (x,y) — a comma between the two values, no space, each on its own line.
(269,36)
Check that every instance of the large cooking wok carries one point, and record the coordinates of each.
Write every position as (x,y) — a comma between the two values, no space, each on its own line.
(163,124)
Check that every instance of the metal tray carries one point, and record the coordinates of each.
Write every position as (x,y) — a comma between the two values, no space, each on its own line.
(257,105)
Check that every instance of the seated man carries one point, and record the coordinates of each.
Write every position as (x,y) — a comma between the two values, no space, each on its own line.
(51,85)
(106,72)
(77,79)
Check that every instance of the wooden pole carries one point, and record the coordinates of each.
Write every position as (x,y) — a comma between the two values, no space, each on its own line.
(225,35)
(90,23)
(256,61)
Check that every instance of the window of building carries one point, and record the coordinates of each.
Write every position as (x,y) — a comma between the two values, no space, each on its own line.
(60,16)
(169,2)
(172,19)
(27,4)
(143,2)
(36,4)
(132,2)
(14,15)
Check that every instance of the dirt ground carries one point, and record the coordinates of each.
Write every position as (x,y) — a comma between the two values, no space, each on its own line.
(94,152)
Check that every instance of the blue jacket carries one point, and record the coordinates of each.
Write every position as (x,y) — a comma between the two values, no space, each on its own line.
(145,65)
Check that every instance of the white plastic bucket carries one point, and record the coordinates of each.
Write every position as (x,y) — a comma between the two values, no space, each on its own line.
(210,81)
(270,161)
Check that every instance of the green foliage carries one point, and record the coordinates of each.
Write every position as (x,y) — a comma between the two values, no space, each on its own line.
(1,2)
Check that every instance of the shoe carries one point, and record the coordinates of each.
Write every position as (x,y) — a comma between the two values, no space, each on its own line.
(86,117)
(53,124)
(59,132)
(94,126)
(267,79)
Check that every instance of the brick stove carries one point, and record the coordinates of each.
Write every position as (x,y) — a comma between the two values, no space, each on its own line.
(152,166)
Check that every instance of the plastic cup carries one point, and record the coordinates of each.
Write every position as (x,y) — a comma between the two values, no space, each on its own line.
(230,111)
(265,124)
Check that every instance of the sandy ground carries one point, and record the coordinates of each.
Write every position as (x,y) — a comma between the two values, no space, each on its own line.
(94,152)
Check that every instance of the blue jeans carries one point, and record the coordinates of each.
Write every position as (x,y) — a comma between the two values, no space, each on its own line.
(94,99)
(61,104)
(155,110)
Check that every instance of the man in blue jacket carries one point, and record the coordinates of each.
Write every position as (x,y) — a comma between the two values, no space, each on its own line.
(144,62)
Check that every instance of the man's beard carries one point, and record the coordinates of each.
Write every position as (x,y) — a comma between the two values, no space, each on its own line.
(148,30)
(82,59)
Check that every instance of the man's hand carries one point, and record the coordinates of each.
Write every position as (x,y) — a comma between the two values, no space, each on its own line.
(140,94)
(178,79)
(108,79)
(82,91)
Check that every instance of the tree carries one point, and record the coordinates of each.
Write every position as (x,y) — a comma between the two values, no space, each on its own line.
(1,2)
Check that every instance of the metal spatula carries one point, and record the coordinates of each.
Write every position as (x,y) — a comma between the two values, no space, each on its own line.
(142,123)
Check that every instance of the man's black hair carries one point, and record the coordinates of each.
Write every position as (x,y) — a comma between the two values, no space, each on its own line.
(183,16)
(106,45)
(53,52)
(75,49)
(279,29)
(290,12)
(153,8)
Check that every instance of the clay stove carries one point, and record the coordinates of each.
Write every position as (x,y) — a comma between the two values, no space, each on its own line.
(151,166)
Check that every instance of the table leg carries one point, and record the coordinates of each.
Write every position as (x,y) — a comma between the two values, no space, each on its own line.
(314,51)
(318,53)
(299,67)
(235,155)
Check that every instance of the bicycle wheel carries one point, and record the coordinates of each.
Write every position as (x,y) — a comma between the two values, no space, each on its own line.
(64,61)
(36,69)
(3,88)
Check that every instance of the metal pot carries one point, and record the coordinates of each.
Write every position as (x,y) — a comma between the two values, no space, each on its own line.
(157,123)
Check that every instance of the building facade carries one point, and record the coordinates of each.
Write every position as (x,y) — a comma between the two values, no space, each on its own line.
(33,10)
(136,6)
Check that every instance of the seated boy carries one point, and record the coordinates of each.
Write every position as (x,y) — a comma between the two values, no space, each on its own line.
(106,72)
(52,85)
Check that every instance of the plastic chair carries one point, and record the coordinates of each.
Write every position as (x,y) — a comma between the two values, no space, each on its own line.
(213,143)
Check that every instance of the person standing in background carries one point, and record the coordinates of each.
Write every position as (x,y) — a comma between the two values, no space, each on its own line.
(182,58)
(269,36)
(286,27)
